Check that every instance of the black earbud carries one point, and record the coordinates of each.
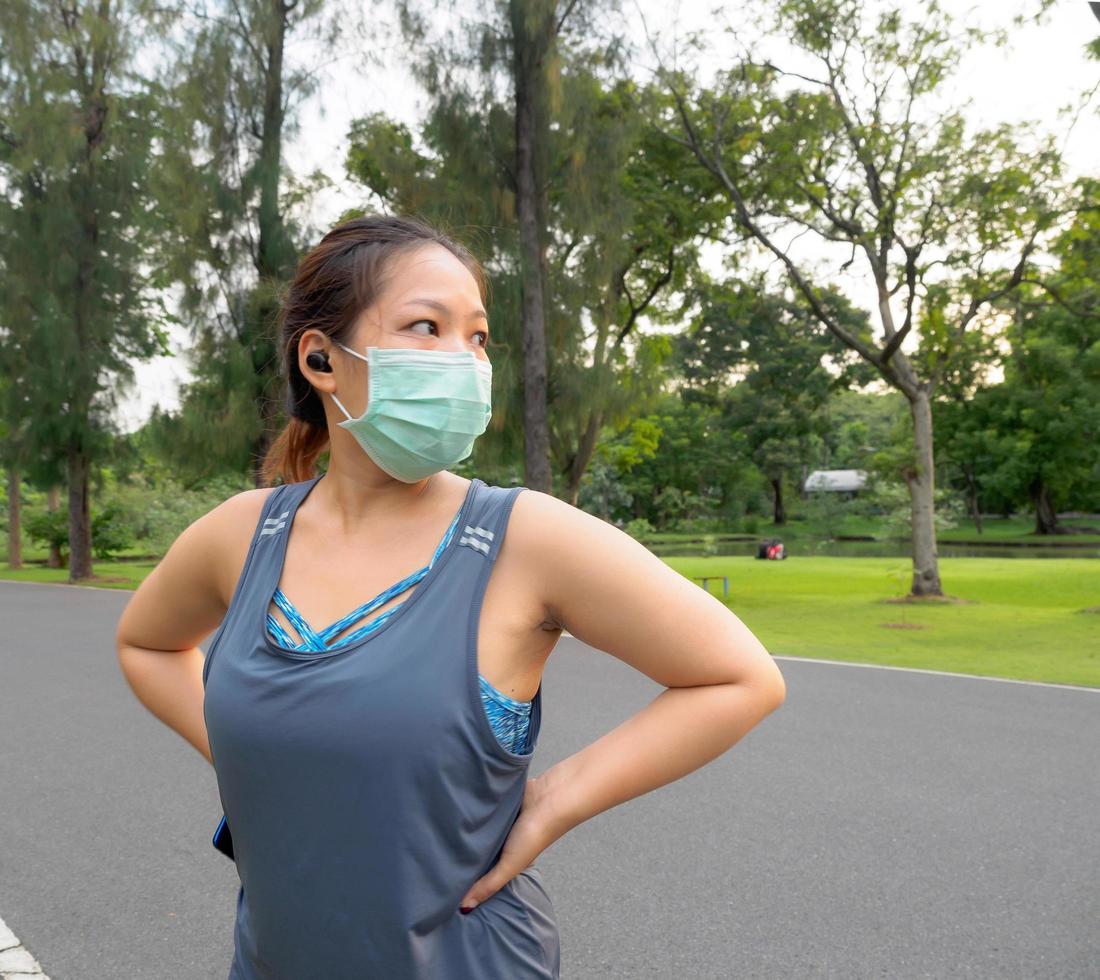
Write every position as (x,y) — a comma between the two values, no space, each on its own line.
(318,360)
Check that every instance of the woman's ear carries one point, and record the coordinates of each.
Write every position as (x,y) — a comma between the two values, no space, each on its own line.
(313,360)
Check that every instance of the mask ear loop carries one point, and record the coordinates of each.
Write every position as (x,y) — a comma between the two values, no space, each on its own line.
(350,417)
(342,409)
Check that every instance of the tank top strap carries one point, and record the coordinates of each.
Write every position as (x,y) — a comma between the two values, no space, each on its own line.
(279,509)
(264,548)
(482,528)
(481,531)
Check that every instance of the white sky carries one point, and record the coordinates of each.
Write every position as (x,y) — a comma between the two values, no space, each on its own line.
(1041,70)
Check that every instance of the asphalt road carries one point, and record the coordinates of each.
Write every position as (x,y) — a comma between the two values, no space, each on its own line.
(882,823)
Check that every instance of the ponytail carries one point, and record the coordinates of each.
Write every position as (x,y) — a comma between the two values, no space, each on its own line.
(294,453)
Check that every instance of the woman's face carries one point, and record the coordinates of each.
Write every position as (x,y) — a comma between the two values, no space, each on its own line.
(431,302)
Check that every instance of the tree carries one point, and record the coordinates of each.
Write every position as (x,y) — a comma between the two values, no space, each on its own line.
(859,154)
(1040,428)
(777,347)
(680,462)
(77,136)
(630,219)
(230,240)
(534,33)
(517,44)
(625,214)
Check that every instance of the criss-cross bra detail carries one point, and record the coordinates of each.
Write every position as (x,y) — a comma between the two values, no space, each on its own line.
(509,718)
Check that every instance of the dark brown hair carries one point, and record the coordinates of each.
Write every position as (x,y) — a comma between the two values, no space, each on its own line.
(338,278)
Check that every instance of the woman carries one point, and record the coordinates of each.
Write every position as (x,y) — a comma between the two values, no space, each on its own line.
(374,773)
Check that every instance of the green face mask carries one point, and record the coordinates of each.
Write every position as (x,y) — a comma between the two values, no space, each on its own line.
(424,409)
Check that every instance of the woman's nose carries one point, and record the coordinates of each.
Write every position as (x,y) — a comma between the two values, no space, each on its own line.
(452,343)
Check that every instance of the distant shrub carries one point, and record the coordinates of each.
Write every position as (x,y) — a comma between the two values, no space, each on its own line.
(638,528)
(48,528)
(112,530)
(162,511)
(697,525)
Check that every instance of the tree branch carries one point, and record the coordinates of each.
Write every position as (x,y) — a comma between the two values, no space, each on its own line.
(1060,300)
(564,16)
(658,283)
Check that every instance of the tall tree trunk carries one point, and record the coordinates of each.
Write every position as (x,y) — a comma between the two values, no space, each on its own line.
(15,539)
(275,253)
(530,45)
(780,513)
(583,457)
(80,525)
(88,300)
(53,502)
(921,480)
(1046,520)
(972,496)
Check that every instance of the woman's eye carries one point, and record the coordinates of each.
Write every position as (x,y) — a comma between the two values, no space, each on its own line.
(483,333)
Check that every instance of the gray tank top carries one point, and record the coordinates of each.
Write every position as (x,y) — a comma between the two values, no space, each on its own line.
(364,785)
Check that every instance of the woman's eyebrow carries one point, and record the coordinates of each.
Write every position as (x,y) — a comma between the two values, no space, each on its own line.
(443,308)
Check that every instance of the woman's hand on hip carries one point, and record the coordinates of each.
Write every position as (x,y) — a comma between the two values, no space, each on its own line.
(533,832)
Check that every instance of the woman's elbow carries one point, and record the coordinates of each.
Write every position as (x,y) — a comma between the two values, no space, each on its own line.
(769,681)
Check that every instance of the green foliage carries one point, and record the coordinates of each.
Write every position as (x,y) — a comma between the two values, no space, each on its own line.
(602,491)
(621,237)
(826,510)
(893,509)
(217,426)
(859,424)
(1038,430)
(49,528)
(638,528)
(694,466)
(79,297)
(232,218)
(638,442)
(896,455)
(672,504)
(858,151)
(156,513)
(148,510)
(112,530)
(776,349)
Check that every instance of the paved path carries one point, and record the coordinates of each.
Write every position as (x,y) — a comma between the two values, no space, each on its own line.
(882,823)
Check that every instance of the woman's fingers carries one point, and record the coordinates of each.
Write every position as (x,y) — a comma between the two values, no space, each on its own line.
(527,839)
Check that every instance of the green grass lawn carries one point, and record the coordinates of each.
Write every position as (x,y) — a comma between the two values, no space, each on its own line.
(994,529)
(1021,617)
(108,574)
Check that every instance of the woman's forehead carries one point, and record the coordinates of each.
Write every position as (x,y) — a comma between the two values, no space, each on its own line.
(435,275)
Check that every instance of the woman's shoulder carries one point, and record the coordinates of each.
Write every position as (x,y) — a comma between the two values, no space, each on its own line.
(531,502)
(242,510)
(536,522)
(228,528)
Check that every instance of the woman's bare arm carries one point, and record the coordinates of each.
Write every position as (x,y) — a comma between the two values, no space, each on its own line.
(612,593)
(180,603)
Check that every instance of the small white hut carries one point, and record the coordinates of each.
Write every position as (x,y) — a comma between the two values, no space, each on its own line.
(846,482)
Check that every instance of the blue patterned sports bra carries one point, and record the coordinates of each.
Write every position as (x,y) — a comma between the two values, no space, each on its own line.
(509,718)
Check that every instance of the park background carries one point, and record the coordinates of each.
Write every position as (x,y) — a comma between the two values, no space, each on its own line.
(730,247)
